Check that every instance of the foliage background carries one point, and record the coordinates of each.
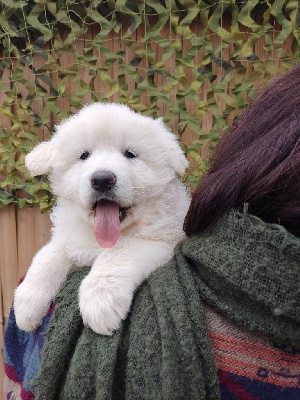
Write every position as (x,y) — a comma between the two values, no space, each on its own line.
(198,63)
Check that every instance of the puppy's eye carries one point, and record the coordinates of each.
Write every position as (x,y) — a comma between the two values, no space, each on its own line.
(84,155)
(130,154)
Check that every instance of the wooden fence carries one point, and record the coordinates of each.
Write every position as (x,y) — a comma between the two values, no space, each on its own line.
(24,231)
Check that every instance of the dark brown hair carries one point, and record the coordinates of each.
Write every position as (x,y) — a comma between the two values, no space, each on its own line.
(256,162)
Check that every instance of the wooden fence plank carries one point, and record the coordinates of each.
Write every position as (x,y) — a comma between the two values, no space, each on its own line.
(8,271)
(9,259)
(33,230)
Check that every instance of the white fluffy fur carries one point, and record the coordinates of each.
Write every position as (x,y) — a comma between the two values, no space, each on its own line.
(153,226)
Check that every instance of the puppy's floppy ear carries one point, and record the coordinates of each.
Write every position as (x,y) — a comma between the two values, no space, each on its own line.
(177,159)
(39,160)
(175,155)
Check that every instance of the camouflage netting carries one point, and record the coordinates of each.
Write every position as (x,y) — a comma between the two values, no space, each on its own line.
(197,63)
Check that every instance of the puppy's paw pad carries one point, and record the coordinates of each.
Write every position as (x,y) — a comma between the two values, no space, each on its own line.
(104,304)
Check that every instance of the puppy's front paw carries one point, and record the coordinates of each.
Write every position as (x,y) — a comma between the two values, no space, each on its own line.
(104,303)
(30,307)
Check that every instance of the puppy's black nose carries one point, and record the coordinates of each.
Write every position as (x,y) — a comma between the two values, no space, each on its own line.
(103,181)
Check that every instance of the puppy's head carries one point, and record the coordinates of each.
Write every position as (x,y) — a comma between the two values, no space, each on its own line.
(109,159)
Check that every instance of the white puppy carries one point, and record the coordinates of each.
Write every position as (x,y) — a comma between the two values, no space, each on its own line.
(120,208)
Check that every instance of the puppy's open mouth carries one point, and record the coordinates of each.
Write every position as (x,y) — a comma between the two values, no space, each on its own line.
(107,218)
(122,210)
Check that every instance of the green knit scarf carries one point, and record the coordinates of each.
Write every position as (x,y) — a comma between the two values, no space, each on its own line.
(242,268)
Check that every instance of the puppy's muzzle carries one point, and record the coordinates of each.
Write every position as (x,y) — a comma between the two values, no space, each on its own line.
(103,181)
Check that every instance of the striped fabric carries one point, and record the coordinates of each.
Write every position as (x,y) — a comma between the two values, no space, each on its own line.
(249,367)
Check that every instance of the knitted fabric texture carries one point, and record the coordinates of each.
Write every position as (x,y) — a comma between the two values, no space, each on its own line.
(244,269)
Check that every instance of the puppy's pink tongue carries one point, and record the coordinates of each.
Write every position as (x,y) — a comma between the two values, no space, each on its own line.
(107,223)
